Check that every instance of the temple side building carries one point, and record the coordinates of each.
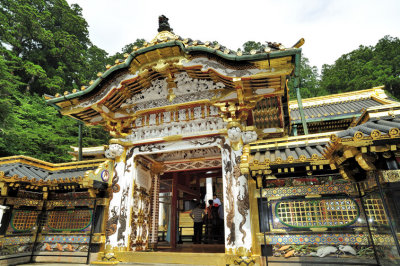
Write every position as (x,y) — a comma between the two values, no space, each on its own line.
(312,181)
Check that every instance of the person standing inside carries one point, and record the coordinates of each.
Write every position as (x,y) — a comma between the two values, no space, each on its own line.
(208,221)
(216,201)
(216,232)
(197,216)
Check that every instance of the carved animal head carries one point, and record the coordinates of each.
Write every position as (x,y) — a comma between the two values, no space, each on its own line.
(234,134)
(114,150)
(249,136)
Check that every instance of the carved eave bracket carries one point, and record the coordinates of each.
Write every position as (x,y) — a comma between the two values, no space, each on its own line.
(235,113)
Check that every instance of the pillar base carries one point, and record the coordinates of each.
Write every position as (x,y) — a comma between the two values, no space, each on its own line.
(106,259)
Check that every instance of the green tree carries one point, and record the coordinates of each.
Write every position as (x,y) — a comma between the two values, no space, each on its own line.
(309,81)
(127,49)
(8,84)
(49,37)
(95,61)
(44,48)
(38,130)
(365,67)
(251,45)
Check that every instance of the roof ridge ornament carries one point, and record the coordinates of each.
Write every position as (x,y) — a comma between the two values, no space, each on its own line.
(163,24)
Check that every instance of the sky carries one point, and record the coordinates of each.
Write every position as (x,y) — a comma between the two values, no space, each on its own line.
(330,28)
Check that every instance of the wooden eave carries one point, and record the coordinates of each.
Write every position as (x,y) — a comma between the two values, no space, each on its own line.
(38,177)
(50,166)
(114,99)
(376,93)
(33,182)
(339,106)
(378,126)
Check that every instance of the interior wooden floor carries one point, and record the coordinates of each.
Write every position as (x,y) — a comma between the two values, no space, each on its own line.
(193,248)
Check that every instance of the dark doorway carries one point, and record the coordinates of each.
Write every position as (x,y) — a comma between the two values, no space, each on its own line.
(180,191)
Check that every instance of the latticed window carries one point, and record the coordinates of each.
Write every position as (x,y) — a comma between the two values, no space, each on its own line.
(23,220)
(69,220)
(317,213)
(375,211)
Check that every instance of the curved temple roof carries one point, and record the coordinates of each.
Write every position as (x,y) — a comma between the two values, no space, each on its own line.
(167,39)
(154,71)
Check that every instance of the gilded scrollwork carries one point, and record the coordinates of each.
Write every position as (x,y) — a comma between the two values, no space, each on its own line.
(123,214)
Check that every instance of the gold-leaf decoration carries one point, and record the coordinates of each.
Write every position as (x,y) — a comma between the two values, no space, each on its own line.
(358,135)
(394,132)
(375,134)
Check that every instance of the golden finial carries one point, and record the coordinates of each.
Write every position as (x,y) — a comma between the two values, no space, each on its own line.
(66,92)
(239,53)
(126,55)
(57,95)
(99,74)
(108,66)
(74,90)
(253,52)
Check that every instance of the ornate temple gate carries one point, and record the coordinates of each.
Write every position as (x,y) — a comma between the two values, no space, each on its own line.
(176,94)
(180,94)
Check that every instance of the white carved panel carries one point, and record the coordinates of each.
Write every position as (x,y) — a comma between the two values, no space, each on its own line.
(187,90)
(152,119)
(138,122)
(188,154)
(143,178)
(182,114)
(197,112)
(193,127)
(167,117)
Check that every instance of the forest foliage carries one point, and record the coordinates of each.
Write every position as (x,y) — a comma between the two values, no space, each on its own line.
(45,49)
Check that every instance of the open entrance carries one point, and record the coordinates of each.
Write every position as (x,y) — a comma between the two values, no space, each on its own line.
(191,184)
